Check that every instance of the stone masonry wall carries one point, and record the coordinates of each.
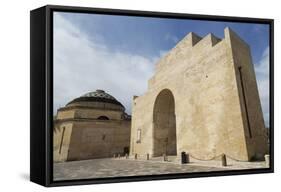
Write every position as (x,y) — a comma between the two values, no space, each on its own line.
(202,76)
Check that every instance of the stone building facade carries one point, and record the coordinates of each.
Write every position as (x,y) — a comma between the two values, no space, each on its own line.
(203,100)
(94,125)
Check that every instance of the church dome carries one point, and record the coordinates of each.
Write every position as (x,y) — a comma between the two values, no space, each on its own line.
(97,97)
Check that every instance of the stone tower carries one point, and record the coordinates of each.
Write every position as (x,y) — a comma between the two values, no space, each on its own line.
(203,99)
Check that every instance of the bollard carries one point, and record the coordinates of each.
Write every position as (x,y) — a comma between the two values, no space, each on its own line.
(114,155)
(267,160)
(136,156)
(164,157)
(126,155)
(119,156)
(147,156)
(187,158)
(183,158)
(223,160)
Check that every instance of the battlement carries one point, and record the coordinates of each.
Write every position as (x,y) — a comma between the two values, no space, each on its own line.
(192,40)
(209,40)
(192,43)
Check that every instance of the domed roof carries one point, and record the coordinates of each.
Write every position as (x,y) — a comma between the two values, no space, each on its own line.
(96,96)
(100,94)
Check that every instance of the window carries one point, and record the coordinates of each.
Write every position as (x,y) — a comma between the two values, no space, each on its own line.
(103,118)
(138,135)
(61,141)
(245,101)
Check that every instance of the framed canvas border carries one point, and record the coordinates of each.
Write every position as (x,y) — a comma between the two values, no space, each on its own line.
(41,94)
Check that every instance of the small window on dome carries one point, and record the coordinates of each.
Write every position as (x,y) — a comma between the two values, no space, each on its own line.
(103,118)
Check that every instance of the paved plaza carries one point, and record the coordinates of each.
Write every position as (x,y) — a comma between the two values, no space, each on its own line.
(109,167)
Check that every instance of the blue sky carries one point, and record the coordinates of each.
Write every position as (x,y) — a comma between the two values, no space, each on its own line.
(146,36)
(100,43)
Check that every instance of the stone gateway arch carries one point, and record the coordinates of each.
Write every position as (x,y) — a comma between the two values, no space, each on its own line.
(164,124)
(203,100)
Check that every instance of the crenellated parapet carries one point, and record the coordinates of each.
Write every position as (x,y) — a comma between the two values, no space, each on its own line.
(192,45)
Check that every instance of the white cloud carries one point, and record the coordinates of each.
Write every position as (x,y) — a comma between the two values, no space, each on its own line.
(262,74)
(82,65)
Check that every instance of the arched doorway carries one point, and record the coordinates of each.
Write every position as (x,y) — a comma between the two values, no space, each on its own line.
(164,124)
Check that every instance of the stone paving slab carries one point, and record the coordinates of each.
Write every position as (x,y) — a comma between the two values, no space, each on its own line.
(101,168)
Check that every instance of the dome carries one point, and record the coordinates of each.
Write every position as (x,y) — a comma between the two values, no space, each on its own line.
(98,96)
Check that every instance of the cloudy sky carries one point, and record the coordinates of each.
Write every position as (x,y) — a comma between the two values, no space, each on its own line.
(118,53)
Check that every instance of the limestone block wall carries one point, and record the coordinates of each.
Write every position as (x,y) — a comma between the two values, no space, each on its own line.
(65,114)
(99,139)
(210,120)
(96,105)
(61,140)
(95,113)
(250,104)
(79,135)
(142,119)
(88,113)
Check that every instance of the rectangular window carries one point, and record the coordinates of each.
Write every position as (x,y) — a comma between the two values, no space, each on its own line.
(139,136)
(61,142)
(245,101)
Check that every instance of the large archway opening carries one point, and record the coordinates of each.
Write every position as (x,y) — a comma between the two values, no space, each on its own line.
(164,124)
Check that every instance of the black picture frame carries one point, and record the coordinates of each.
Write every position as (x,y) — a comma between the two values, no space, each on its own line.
(41,94)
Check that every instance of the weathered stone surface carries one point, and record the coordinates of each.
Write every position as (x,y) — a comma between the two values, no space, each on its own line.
(101,168)
(203,100)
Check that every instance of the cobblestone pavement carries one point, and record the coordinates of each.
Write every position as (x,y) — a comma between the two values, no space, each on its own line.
(100,168)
